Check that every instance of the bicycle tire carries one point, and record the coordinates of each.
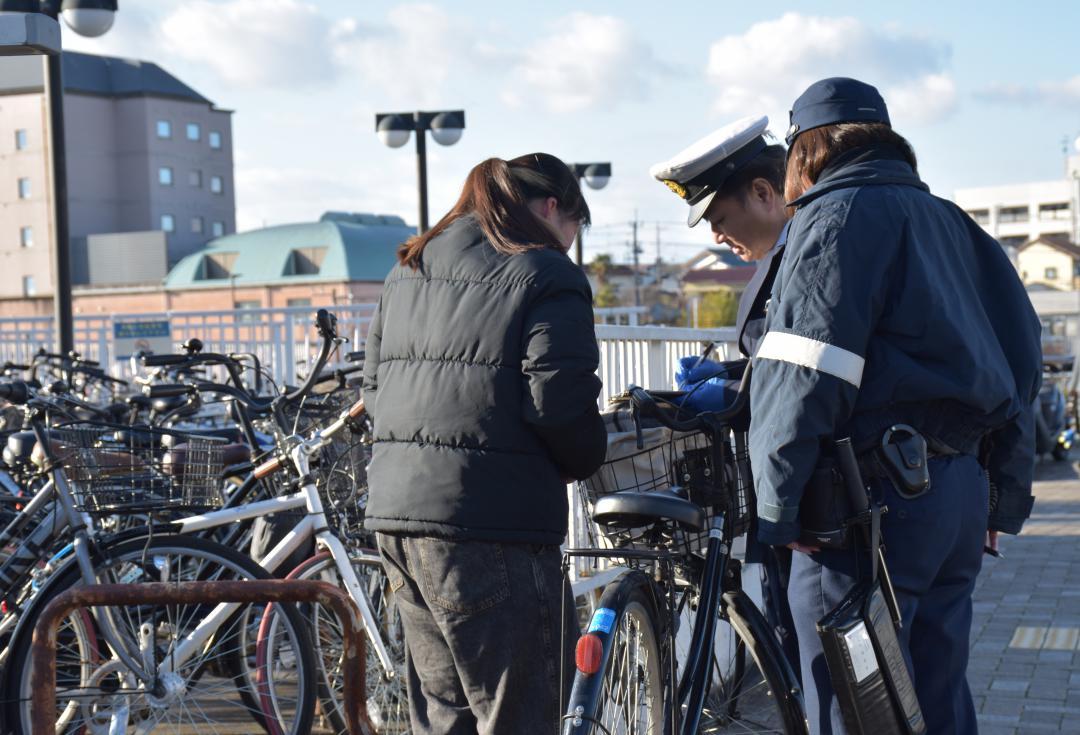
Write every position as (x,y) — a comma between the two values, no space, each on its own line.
(124,561)
(386,698)
(626,623)
(752,688)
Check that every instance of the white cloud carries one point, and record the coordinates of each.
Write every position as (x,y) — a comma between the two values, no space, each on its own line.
(770,64)
(275,43)
(1065,93)
(588,61)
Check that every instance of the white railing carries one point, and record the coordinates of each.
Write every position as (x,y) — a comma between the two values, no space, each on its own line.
(626,315)
(283,339)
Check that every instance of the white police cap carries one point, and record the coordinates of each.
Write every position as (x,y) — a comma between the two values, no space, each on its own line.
(698,172)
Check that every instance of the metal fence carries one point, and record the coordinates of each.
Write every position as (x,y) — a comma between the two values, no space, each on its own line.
(285,341)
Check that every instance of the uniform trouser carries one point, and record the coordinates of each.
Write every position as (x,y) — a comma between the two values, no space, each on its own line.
(934,552)
(483,638)
(775,574)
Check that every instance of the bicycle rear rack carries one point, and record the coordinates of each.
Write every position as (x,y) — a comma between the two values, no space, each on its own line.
(43,649)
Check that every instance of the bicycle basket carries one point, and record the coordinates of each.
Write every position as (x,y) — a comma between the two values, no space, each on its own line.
(341,477)
(129,469)
(700,466)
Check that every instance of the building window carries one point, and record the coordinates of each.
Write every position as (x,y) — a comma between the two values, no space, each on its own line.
(1051,274)
(195,179)
(215,139)
(168,223)
(249,307)
(164,176)
(217,185)
(298,302)
(216,266)
(164,129)
(1013,214)
(193,131)
(1013,241)
(29,288)
(20,139)
(981,216)
(26,237)
(304,262)
(24,188)
(1055,211)
(196,224)
(217,229)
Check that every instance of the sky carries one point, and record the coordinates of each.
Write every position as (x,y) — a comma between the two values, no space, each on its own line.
(988,93)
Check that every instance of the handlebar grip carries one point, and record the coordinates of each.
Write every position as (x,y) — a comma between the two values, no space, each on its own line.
(355,356)
(16,392)
(15,366)
(357,409)
(268,468)
(163,360)
(168,391)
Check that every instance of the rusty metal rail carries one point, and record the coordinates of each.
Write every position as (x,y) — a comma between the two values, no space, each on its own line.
(43,649)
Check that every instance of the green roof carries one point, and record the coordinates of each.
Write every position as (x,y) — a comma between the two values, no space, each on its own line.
(339,247)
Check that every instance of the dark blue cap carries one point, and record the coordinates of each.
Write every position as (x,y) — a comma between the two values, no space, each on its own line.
(836,100)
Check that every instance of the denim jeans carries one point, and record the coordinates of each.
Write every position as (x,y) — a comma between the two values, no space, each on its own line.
(490,630)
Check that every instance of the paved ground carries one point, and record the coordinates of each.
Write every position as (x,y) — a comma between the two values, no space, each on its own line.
(1025,641)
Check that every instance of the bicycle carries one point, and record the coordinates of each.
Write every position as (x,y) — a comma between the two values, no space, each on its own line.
(671,513)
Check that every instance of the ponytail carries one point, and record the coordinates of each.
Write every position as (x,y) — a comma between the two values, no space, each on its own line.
(497,194)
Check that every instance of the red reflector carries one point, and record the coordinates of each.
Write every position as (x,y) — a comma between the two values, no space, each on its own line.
(3,607)
(590,649)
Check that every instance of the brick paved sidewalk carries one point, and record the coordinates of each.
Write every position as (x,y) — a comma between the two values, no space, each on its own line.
(1025,641)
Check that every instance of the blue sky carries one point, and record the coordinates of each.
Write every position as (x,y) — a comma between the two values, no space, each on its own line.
(985,91)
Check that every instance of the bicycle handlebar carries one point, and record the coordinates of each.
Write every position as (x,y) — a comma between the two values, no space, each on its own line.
(647,406)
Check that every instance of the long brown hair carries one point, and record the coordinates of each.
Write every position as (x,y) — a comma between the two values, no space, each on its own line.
(811,152)
(497,193)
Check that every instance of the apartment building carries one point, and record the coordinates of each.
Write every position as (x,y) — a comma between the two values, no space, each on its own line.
(145,154)
(1019,213)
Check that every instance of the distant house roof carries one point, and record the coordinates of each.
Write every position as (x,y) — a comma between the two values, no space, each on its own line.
(98,75)
(339,247)
(715,258)
(1058,242)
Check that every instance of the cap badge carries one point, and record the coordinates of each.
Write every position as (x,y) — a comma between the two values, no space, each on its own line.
(676,187)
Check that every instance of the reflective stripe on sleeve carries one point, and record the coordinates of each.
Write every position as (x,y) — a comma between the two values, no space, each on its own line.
(820,356)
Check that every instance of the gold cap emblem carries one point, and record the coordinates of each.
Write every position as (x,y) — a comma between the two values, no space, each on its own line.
(676,187)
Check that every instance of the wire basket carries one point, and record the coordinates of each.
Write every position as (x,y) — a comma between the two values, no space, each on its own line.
(341,477)
(115,469)
(711,470)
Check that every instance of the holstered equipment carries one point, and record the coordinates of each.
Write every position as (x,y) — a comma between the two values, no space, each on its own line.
(904,457)
(825,511)
(866,663)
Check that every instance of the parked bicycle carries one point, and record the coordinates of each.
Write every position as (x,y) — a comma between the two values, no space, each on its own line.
(671,513)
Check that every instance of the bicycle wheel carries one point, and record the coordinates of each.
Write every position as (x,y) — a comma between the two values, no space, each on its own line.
(751,689)
(386,699)
(626,693)
(213,691)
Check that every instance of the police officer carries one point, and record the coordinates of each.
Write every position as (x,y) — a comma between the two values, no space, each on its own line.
(734,179)
(891,307)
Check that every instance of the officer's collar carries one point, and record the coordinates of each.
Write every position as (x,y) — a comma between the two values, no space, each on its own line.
(873,164)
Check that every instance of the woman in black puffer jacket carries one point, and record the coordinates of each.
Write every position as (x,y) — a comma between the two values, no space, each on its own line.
(481,379)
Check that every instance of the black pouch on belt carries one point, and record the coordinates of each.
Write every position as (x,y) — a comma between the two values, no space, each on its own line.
(903,455)
(825,508)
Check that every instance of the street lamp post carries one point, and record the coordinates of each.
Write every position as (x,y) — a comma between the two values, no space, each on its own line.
(596,176)
(394,129)
(87,18)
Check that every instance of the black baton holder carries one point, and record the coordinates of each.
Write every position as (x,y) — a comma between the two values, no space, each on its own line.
(866,663)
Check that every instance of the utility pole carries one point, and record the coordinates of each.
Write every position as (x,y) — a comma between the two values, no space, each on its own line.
(636,250)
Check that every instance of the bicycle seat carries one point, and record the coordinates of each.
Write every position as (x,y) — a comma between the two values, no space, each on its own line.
(634,510)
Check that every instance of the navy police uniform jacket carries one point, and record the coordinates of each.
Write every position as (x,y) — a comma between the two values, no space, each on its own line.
(891,306)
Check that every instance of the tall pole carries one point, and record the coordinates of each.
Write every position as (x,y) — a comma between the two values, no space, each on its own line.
(61,253)
(421,172)
(579,248)
(637,274)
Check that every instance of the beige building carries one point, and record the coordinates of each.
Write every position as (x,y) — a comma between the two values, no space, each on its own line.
(145,153)
(1049,262)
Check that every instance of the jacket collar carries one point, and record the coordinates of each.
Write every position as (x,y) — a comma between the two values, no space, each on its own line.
(871,165)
